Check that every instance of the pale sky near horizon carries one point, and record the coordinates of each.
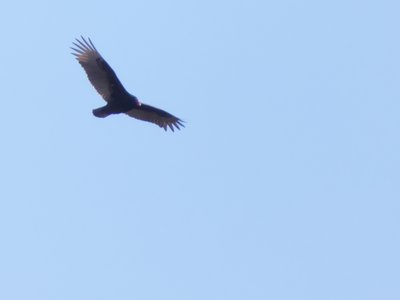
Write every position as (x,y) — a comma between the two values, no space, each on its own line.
(283,185)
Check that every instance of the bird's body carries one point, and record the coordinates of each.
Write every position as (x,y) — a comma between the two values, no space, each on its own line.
(121,103)
(107,84)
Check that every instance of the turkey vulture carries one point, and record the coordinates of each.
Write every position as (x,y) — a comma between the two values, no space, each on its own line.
(107,84)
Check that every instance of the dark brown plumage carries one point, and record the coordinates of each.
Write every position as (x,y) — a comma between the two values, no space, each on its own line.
(107,84)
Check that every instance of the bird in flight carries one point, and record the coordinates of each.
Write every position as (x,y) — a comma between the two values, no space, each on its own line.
(107,84)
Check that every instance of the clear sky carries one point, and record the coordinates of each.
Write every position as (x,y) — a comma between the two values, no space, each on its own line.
(283,185)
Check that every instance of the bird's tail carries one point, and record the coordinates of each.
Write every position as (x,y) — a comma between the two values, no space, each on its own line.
(102,112)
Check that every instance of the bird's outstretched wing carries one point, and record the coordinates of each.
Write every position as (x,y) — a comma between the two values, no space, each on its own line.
(100,74)
(157,116)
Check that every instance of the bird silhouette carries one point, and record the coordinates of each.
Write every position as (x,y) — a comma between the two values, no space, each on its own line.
(107,84)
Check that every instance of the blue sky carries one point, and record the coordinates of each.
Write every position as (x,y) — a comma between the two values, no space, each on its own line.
(283,185)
